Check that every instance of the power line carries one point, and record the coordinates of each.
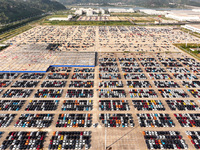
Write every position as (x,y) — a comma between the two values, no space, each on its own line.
(121,137)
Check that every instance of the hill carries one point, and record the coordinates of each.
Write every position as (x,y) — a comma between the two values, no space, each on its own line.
(143,3)
(12,10)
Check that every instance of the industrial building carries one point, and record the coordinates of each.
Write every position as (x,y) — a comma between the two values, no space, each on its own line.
(89,11)
(117,10)
(153,12)
(61,18)
(194,28)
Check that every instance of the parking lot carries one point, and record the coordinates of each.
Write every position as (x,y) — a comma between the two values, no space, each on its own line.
(105,38)
(116,18)
(78,107)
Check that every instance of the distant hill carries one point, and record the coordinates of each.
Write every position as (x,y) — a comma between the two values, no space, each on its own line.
(144,3)
(12,10)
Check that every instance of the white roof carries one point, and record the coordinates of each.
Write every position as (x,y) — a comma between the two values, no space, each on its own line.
(63,19)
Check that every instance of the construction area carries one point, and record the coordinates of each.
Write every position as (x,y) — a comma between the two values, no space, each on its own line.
(37,58)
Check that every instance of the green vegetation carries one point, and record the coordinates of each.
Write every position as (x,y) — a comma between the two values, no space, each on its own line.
(187,49)
(12,33)
(18,24)
(91,23)
(12,10)
(64,12)
(24,26)
(165,18)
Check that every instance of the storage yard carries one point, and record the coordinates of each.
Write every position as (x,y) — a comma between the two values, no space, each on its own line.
(125,98)
(129,88)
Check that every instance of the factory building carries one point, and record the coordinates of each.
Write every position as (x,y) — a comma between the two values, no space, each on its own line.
(183,17)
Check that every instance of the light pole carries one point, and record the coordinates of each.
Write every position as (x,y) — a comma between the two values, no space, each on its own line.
(186,42)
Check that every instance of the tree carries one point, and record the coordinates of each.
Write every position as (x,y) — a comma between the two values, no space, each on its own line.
(3,17)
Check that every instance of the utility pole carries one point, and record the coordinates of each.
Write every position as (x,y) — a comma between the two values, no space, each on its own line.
(105,137)
(164,55)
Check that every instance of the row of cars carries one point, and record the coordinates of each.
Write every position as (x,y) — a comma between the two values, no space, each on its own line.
(104,84)
(82,139)
(108,119)
(104,105)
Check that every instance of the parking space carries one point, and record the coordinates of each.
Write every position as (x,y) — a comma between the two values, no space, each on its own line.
(4,83)
(140,93)
(83,93)
(128,64)
(6,119)
(148,105)
(25,84)
(188,120)
(122,96)
(155,120)
(182,105)
(17,93)
(109,76)
(130,69)
(74,120)
(34,120)
(177,70)
(185,76)
(134,76)
(108,69)
(42,105)
(53,84)
(114,105)
(84,69)
(8,75)
(59,69)
(155,76)
(11,105)
(112,93)
(32,76)
(164,140)
(81,84)
(77,105)
(173,93)
(151,69)
(166,84)
(194,137)
(191,84)
(24,140)
(138,84)
(195,93)
(116,120)
(83,76)
(70,140)
(111,84)
(57,76)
